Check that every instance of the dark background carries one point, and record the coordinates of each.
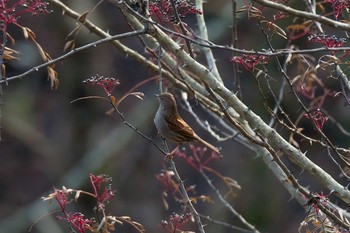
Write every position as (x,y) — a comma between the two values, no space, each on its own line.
(48,142)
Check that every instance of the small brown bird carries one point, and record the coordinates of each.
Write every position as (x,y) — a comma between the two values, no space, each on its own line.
(171,126)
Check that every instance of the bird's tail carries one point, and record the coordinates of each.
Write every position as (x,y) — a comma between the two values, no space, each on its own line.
(207,144)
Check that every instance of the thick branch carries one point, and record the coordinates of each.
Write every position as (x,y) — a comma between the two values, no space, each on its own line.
(203,33)
(255,122)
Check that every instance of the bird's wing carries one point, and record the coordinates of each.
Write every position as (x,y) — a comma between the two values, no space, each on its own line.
(183,131)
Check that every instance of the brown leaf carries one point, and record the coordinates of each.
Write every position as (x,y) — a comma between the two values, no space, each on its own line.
(293,142)
(233,184)
(297,27)
(53,78)
(41,51)
(49,58)
(70,45)
(10,38)
(138,94)
(73,34)
(207,199)
(3,71)
(28,33)
(10,54)
(113,99)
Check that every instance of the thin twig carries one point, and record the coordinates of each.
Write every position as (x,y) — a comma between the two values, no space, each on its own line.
(184,192)
(306,15)
(225,224)
(226,204)
(74,51)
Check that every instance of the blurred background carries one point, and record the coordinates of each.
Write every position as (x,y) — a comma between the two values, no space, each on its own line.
(47,141)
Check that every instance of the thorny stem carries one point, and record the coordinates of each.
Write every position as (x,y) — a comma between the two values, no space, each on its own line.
(304,108)
(172,164)
(271,135)
(183,29)
(277,159)
(311,4)
(329,213)
(184,193)
(205,43)
(245,52)
(117,44)
(208,44)
(79,49)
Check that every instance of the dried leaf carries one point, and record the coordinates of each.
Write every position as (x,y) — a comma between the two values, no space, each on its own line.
(127,218)
(110,225)
(56,83)
(73,34)
(293,142)
(10,54)
(10,38)
(231,183)
(25,33)
(165,203)
(275,28)
(70,45)
(138,94)
(41,51)
(321,7)
(115,220)
(297,27)
(28,33)
(52,74)
(77,195)
(207,199)
(113,99)
(241,9)
(3,71)
(327,60)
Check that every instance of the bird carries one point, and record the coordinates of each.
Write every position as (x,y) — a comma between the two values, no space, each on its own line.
(172,127)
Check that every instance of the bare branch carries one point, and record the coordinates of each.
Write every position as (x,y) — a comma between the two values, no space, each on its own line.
(70,53)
